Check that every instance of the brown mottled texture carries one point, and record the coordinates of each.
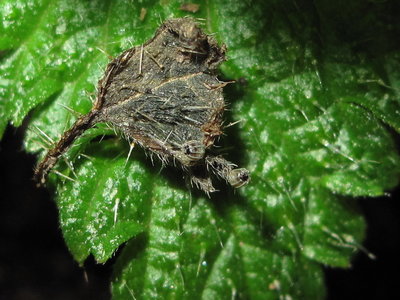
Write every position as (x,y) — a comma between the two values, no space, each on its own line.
(163,95)
(190,7)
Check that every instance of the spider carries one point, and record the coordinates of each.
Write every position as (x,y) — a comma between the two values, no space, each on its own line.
(165,96)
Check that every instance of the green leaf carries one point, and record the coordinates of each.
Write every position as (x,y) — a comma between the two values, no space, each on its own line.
(318,97)
(106,202)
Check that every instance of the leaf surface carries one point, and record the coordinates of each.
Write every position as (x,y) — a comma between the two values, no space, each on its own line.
(315,96)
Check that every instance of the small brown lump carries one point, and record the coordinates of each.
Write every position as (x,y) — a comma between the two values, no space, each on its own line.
(164,95)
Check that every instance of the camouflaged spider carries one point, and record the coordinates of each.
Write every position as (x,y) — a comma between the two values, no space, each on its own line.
(164,95)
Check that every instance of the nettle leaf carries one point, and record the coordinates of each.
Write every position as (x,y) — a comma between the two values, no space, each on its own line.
(317,90)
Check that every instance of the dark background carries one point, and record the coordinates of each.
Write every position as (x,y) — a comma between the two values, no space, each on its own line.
(35,263)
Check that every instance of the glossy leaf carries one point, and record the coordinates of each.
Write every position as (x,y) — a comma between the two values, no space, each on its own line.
(317,91)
